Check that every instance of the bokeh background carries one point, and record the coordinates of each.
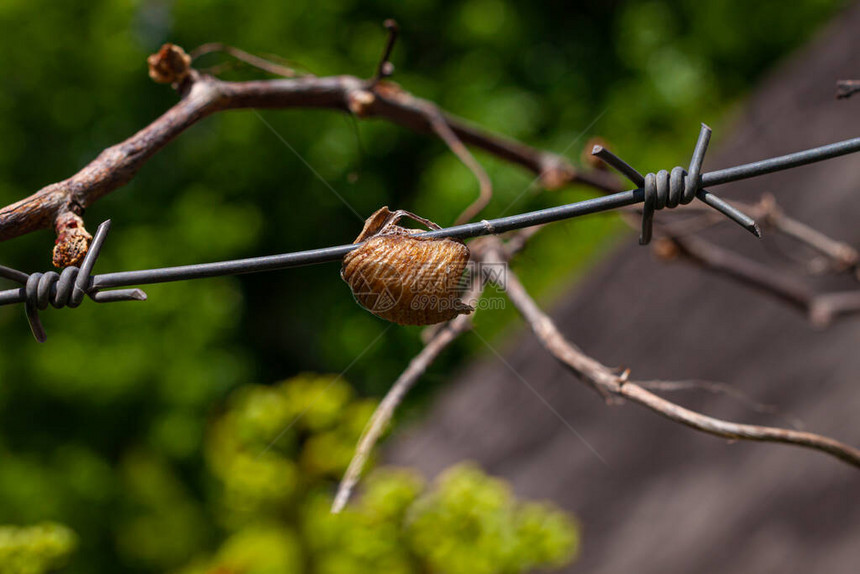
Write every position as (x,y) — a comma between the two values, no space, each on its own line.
(111,428)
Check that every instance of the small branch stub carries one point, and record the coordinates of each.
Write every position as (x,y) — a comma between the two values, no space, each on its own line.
(73,240)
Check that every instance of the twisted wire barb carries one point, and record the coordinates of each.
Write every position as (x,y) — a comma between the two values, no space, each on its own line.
(65,289)
(655,191)
(680,187)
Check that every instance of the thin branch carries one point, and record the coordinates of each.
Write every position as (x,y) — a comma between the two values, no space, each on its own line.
(843,256)
(821,309)
(443,337)
(204,95)
(745,270)
(386,68)
(446,134)
(738,431)
(600,377)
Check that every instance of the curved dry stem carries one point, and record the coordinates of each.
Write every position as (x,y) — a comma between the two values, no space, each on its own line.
(718,427)
(385,411)
(606,381)
(446,134)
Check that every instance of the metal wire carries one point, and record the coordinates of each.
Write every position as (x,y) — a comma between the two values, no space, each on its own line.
(654,191)
(66,289)
(665,189)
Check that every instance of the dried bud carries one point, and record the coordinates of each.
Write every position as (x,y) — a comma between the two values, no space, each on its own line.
(169,65)
(73,240)
(400,277)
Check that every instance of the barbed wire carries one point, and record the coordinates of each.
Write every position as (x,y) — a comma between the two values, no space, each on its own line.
(663,189)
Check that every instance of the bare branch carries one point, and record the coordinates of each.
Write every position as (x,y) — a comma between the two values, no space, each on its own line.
(603,379)
(821,309)
(386,68)
(446,134)
(204,95)
(747,271)
(383,413)
(732,430)
(843,256)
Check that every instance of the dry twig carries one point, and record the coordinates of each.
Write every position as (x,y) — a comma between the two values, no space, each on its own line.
(385,411)
(204,95)
(605,380)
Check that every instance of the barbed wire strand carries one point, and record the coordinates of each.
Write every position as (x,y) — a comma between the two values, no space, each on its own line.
(663,189)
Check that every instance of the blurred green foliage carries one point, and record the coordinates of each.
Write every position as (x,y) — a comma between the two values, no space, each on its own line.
(102,428)
(34,549)
(276,453)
